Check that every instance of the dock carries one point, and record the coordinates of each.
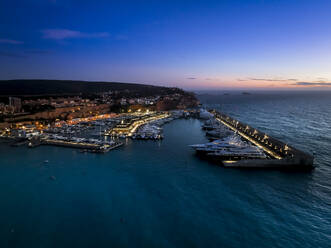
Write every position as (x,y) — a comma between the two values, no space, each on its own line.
(281,155)
(71,144)
(88,147)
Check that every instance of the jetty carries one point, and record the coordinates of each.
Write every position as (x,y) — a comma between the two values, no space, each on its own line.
(280,155)
(88,147)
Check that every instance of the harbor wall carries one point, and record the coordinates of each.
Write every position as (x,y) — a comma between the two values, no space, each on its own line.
(283,154)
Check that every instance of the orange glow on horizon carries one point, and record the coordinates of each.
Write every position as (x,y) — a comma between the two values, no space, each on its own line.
(257,84)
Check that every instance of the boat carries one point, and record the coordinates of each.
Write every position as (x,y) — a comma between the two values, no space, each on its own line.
(229,148)
(219,133)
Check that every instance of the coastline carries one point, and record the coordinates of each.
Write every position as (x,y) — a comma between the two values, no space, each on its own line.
(128,189)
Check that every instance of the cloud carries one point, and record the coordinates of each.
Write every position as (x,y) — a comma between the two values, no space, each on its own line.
(62,34)
(191,78)
(23,54)
(318,84)
(38,51)
(322,78)
(11,42)
(11,55)
(268,79)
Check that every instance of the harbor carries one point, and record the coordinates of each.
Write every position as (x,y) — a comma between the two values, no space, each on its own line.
(99,134)
(137,167)
(231,143)
(238,145)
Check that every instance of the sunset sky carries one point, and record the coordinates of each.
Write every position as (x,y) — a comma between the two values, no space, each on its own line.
(222,44)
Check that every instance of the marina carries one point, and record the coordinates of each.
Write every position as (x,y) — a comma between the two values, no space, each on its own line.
(232,143)
(98,134)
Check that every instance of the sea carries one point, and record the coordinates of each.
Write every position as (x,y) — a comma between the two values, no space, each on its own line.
(159,194)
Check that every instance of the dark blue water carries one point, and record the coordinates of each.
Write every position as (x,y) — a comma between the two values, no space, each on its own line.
(150,194)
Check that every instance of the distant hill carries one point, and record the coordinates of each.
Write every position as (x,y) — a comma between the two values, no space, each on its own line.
(63,87)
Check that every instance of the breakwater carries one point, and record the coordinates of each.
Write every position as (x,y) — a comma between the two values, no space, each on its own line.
(282,155)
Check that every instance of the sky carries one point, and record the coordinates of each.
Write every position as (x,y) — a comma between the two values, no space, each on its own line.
(196,45)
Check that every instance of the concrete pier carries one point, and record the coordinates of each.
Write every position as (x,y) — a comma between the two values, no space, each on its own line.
(96,148)
(282,155)
(70,144)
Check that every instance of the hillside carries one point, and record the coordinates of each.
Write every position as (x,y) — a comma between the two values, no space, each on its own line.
(62,87)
